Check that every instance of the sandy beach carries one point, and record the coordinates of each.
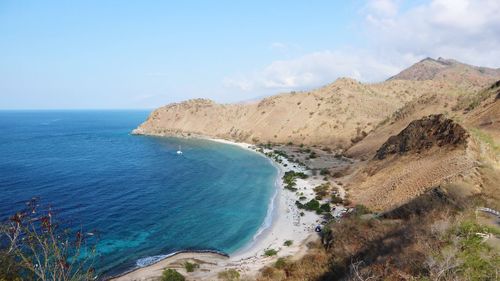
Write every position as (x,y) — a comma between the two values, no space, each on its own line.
(287,224)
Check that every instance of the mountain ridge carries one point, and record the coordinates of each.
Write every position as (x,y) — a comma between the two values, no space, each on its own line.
(337,115)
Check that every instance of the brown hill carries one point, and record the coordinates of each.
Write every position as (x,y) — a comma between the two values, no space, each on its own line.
(482,113)
(429,152)
(447,69)
(331,115)
(337,115)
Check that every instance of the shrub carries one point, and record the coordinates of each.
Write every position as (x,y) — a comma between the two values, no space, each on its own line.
(312,205)
(229,275)
(336,199)
(190,267)
(172,275)
(280,263)
(270,252)
(325,208)
(34,246)
(321,190)
(324,172)
(288,243)
(289,179)
(361,210)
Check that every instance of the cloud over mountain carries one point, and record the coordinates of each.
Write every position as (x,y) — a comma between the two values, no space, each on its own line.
(396,35)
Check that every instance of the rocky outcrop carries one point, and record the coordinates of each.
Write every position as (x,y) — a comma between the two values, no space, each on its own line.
(422,134)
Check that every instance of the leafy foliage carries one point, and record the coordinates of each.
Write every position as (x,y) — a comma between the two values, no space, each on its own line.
(171,275)
(191,267)
(270,252)
(289,179)
(36,247)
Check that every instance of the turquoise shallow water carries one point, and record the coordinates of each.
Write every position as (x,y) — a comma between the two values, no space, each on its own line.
(142,199)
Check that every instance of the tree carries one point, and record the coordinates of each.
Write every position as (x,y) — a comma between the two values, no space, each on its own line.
(35,247)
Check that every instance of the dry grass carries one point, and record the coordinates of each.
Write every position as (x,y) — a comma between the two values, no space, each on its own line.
(416,242)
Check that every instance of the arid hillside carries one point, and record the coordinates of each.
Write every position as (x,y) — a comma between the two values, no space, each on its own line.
(448,69)
(426,127)
(429,152)
(337,115)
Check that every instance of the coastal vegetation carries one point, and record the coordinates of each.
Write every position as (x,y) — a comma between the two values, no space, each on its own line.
(322,190)
(172,275)
(289,179)
(190,267)
(280,263)
(335,199)
(314,205)
(270,252)
(229,275)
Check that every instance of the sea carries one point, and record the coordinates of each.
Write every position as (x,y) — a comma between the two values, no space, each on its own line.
(137,197)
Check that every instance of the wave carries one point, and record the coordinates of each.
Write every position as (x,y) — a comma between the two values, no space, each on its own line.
(151,260)
(143,262)
(268,220)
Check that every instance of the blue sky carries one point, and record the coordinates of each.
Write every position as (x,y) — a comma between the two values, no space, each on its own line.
(143,54)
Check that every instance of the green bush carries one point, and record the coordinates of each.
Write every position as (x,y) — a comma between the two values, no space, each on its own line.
(190,267)
(288,243)
(280,263)
(229,275)
(325,208)
(172,275)
(312,205)
(475,259)
(289,179)
(270,252)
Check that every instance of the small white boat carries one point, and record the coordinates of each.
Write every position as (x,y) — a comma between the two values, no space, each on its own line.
(179,152)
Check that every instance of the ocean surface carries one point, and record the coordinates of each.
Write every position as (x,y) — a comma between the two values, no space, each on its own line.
(140,199)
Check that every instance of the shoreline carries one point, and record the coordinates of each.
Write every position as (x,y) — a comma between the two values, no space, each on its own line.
(286,223)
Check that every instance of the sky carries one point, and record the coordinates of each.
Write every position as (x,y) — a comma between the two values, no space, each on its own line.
(123,54)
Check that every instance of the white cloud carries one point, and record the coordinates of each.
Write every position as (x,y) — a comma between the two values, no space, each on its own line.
(466,30)
(383,7)
(312,70)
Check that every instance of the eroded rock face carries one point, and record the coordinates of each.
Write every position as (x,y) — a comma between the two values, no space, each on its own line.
(422,134)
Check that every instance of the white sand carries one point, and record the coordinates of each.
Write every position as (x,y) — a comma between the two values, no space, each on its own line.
(287,224)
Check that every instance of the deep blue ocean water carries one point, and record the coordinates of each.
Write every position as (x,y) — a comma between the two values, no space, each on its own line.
(141,198)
